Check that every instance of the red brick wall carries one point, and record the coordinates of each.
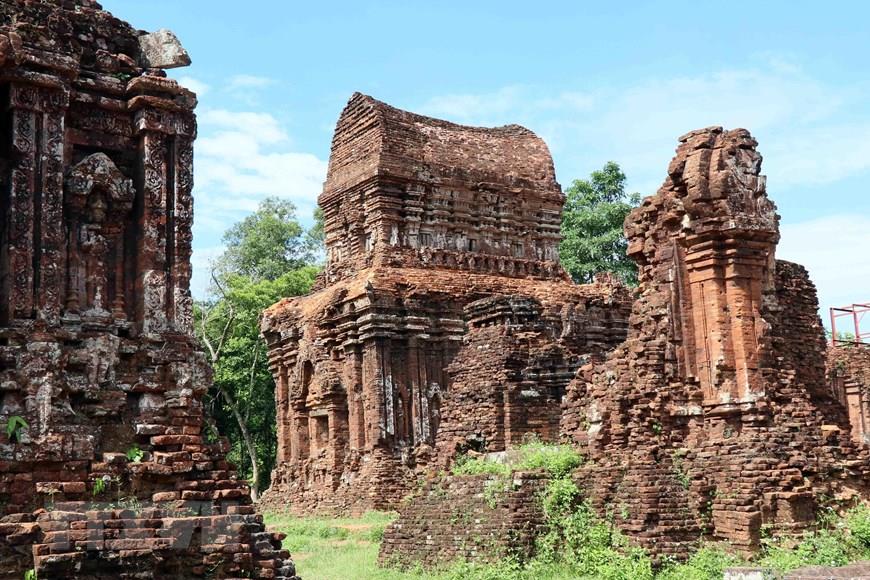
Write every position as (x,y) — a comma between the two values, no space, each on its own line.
(467,517)
(714,417)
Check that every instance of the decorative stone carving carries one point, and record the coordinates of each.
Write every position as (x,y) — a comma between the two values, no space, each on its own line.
(96,353)
(96,189)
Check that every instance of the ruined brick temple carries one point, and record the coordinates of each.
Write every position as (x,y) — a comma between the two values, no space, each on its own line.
(444,324)
(442,321)
(106,472)
(715,416)
(705,401)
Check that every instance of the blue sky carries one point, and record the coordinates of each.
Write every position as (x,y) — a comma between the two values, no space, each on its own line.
(598,81)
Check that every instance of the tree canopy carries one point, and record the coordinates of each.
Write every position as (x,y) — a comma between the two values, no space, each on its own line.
(592,236)
(269,243)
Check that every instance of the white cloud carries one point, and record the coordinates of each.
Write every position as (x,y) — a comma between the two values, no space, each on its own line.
(799,120)
(790,112)
(238,82)
(506,105)
(195,85)
(262,127)
(243,157)
(247,88)
(818,155)
(830,248)
(475,108)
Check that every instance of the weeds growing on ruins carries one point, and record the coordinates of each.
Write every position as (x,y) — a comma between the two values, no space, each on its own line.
(578,544)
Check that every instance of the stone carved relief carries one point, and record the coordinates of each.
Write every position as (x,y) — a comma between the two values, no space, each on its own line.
(96,189)
(96,346)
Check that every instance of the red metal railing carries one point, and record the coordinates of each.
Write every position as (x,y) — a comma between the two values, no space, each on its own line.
(855,313)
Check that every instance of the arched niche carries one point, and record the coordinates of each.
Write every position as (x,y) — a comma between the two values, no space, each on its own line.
(98,208)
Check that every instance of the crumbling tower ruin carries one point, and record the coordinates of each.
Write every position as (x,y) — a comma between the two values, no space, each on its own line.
(108,471)
(714,418)
(442,245)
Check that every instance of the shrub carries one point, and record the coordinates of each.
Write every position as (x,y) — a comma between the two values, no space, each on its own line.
(478,466)
(858,522)
(579,540)
(14,426)
(135,454)
(820,548)
(708,563)
(557,460)
(559,498)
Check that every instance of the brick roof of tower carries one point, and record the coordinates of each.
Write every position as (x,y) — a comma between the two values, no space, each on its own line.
(373,138)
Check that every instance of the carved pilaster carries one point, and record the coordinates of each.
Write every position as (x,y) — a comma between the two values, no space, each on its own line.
(183,234)
(20,230)
(52,267)
(151,285)
(166,145)
(35,243)
(20,219)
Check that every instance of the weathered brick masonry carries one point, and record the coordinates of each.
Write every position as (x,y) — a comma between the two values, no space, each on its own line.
(714,417)
(849,376)
(96,351)
(443,323)
(481,517)
(442,246)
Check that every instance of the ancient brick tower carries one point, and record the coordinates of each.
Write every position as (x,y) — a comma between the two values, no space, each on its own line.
(111,476)
(714,418)
(442,245)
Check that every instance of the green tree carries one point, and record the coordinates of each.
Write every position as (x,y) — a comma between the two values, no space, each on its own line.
(267,243)
(243,402)
(592,236)
(317,233)
(268,257)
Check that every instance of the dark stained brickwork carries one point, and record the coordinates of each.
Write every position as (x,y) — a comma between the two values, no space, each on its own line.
(848,367)
(480,517)
(96,350)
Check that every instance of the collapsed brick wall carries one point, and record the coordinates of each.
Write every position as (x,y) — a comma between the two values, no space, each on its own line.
(422,218)
(509,377)
(474,518)
(112,474)
(848,368)
(714,417)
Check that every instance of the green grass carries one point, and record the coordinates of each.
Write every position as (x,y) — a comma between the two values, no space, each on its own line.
(336,548)
(347,549)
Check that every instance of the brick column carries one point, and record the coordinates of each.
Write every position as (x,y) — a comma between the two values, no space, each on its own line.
(35,242)
(164,244)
